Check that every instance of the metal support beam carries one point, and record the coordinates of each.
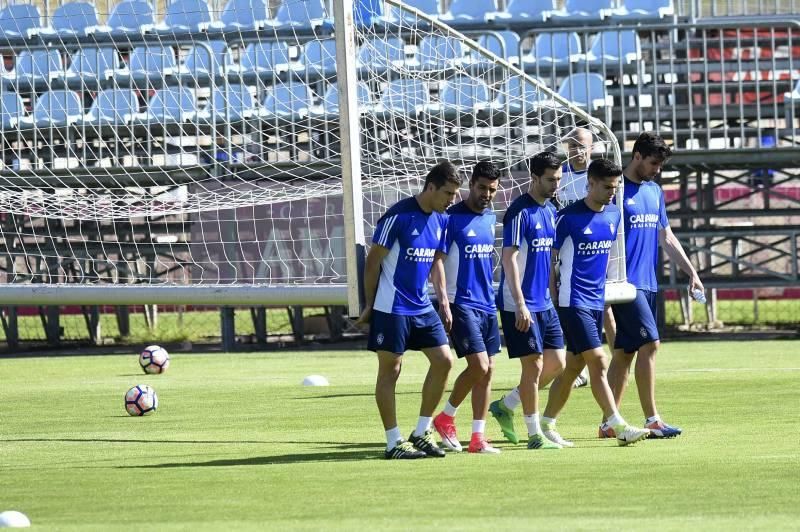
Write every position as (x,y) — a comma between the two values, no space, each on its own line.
(228,329)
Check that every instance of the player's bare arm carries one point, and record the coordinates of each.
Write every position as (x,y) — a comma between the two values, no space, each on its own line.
(676,254)
(523,321)
(372,271)
(439,282)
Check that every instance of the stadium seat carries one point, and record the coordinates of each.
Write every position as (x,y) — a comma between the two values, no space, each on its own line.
(527,11)
(305,14)
(382,53)
(429,7)
(185,16)
(330,102)
(586,90)
(439,51)
(464,94)
(92,64)
(74,18)
(205,56)
(171,105)
(504,44)
(291,101)
(130,16)
(229,103)
(470,12)
(557,48)
(524,97)
(406,96)
(12,110)
(55,109)
(243,14)
(151,62)
(319,59)
(38,65)
(19,21)
(614,47)
(583,10)
(264,56)
(643,10)
(112,107)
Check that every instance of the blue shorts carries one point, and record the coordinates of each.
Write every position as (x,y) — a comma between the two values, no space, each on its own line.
(474,331)
(545,333)
(636,322)
(583,328)
(397,334)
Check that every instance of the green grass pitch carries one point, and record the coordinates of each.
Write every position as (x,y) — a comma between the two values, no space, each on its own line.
(239,444)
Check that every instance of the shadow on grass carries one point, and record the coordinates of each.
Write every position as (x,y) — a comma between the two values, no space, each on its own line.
(373,453)
(343,395)
(126,440)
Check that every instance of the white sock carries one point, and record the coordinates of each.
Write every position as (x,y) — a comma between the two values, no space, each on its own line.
(511,399)
(615,420)
(532,422)
(423,425)
(392,435)
(549,421)
(653,419)
(450,410)
(478,425)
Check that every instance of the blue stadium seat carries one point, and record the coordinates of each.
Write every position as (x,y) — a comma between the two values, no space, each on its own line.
(243,14)
(199,61)
(112,107)
(470,12)
(583,10)
(429,7)
(558,48)
(524,97)
(74,18)
(151,62)
(265,56)
(130,16)
(614,47)
(171,105)
(330,102)
(586,90)
(56,108)
(92,64)
(463,94)
(38,65)
(12,110)
(319,58)
(306,14)
(229,103)
(19,20)
(292,101)
(382,53)
(185,16)
(439,51)
(527,11)
(406,96)
(504,44)
(643,10)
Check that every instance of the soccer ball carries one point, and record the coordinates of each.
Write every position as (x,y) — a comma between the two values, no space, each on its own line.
(141,400)
(154,359)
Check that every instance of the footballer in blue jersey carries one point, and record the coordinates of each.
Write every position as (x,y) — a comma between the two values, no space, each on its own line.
(530,323)
(585,234)
(468,265)
(398,310)
(645,224)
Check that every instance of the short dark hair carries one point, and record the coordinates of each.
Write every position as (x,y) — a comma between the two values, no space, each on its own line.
(544,160)
(443,173)
(603,169)
(486,169)
(650,144)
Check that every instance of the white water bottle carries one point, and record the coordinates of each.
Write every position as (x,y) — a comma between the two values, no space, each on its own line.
(698,295)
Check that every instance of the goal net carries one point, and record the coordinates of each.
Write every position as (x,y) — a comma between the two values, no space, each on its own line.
(198,144)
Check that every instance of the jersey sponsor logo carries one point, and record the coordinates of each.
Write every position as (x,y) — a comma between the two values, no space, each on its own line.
(598,247)
(643,221)
(541,244)
(415,232)
(478,248)
(420,254)
(471,232)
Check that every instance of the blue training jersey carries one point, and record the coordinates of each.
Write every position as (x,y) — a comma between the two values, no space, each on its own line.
(645,217)
(530,227)
(470,250)
(584,239)
(412,237)
(573,185)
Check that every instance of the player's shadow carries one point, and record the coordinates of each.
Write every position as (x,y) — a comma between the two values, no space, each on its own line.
(373,453)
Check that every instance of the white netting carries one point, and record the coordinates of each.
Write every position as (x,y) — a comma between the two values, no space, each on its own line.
(196,143)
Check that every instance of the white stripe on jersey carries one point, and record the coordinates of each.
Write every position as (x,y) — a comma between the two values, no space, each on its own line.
(384,300)
(517,230)
(565,255)
(451,264)
(387,227)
